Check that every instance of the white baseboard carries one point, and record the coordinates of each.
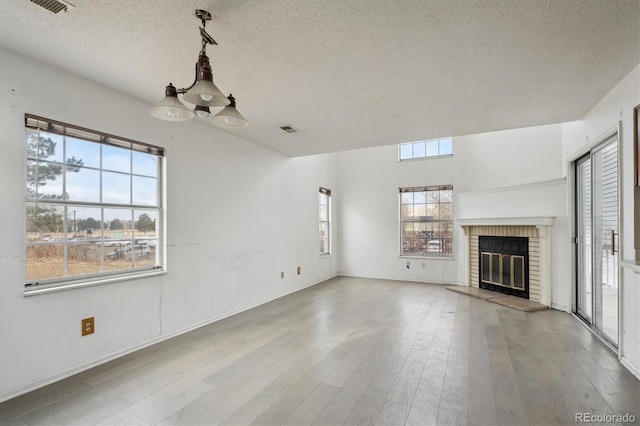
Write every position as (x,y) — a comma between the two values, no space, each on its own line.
(412,280)
(4,396)
(632,368)
(559,307)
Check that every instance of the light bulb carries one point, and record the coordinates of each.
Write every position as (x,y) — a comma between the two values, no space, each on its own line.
(206,98)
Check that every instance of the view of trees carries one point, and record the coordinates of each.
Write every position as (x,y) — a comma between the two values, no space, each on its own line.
(116,225)
(145,224)
(80,219)
(88,223)
(41,219)
(45,168)
(39,172)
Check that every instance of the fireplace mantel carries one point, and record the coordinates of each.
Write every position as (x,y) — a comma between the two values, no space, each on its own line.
(507,221)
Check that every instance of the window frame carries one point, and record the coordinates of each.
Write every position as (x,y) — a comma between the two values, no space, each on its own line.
(414,144)
(445,252)
(62,206)
(324,192)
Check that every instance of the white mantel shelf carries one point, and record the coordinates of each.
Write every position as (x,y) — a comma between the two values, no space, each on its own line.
(507,221)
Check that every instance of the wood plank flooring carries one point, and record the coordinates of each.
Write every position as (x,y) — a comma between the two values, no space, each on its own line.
(352,351)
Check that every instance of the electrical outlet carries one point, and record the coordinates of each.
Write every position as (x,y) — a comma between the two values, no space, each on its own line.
(298,270)
(88,326)
(282,274)
(408,264)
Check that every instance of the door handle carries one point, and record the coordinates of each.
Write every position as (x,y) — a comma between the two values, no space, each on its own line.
(613,242)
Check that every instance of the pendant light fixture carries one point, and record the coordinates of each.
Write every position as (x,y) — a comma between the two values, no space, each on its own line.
(203,93)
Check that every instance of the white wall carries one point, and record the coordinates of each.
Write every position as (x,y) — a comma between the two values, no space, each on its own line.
(617,106)
(259,210)
(508,158)
(370,178)
(369,230)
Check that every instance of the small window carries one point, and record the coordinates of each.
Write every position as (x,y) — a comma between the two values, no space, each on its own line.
(325,221)
(93,204)
(423,149)
(426,221)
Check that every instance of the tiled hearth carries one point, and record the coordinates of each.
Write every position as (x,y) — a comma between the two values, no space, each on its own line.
(538,232)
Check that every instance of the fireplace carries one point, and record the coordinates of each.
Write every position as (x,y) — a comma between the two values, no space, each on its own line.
(537,272)
(504,264)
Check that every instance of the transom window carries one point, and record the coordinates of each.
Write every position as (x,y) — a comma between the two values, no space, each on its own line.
(93,204)
(325,221)
(426,221)
(424,149)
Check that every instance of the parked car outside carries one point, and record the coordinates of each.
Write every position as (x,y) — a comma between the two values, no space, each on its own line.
(131,252)
(111,242)
(434,246)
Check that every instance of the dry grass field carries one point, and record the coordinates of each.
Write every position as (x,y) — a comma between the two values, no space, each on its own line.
(47,261)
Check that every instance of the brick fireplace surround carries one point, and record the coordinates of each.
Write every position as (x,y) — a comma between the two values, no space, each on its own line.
(536,229)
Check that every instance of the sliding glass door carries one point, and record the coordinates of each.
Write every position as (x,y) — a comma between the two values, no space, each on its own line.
(596,218)
(584,251)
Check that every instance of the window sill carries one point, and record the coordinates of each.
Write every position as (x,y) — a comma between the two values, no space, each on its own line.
(323,256)
(71,285)
(430,157)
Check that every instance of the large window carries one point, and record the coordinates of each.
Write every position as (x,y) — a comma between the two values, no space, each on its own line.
(426,221)
(93,204)
(325,221)
(423,149)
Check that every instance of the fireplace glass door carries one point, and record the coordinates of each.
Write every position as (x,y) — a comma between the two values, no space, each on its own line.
(597,245)
(504,264)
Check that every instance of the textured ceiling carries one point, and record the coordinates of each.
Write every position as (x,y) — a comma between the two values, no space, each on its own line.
(350,73)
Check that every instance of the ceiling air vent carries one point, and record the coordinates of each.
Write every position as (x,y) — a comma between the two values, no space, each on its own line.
(54,6)
(289,129)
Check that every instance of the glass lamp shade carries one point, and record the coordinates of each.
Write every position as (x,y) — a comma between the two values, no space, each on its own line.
(230,117)
(205,93)
(202,111)
(170,108)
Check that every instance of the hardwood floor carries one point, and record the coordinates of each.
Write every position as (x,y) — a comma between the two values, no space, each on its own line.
(352,351)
